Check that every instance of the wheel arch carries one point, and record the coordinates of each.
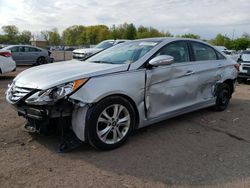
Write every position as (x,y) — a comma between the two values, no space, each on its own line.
(230,83)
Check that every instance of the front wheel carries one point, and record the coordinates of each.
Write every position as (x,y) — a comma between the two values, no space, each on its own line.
(223,97)
(110,122)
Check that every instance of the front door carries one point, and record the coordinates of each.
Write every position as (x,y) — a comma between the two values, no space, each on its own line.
(172,87)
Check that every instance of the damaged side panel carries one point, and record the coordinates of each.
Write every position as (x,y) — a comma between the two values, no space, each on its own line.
(131,84)
(170,88)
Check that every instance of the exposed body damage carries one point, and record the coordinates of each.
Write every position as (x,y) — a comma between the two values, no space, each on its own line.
(133,88)
(154,93)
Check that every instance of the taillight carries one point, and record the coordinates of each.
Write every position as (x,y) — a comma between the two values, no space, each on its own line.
(5,54)
(237,66)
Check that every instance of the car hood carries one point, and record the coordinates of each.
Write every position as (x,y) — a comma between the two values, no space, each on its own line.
(245,57)
(87,50)
(50,75)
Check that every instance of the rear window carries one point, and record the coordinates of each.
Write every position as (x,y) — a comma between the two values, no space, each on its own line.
(203,52)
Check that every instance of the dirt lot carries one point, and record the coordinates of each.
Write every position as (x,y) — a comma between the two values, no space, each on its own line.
(201,149)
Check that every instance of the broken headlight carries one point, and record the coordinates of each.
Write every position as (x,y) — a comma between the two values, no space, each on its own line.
(54,94)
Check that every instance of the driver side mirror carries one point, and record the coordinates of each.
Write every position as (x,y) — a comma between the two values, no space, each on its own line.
(161,60)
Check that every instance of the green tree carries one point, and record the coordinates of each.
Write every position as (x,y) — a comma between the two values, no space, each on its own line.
(191,35)
(222,40)
(11,33)
(168,34)
(45,35)
(241,43)
(130,32)
(74,35)
(24,37)
(54,37)
(148,32)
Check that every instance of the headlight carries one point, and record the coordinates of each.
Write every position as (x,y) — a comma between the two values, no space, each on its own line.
(54,94)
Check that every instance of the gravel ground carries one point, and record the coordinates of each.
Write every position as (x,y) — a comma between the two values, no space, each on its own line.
(199,149)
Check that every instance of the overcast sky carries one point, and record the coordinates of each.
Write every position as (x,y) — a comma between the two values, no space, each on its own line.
(203,17)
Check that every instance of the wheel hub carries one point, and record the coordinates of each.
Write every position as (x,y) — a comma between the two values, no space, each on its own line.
(113,124)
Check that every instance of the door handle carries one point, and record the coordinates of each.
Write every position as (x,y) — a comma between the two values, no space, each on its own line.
(220,66)
(189,73)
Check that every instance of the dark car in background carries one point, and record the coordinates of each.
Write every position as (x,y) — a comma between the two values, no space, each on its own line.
(27,54)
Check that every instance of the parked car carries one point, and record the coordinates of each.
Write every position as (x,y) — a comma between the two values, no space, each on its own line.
(229,53)
(86,52)
(244,61)
(7,64)
(26,54)
(125,87)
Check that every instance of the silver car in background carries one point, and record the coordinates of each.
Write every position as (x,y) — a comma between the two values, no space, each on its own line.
(87,52)
(126,87)
(27,54)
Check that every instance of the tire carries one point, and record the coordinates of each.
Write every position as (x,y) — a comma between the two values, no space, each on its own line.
(223,97)
(41,61)
(104,132)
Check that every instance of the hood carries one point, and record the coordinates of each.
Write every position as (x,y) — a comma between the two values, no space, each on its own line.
(50,75)
(87,50)
(245,57)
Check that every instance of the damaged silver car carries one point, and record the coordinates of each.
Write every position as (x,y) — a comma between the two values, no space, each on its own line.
(103,99)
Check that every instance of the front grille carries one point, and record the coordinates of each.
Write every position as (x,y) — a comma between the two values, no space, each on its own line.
(246,68)
(15,93)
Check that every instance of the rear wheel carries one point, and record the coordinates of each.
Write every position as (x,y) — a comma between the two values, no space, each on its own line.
(223,97)
(110,122)
(41,61)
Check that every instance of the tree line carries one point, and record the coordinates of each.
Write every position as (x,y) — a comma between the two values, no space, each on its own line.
(78,35)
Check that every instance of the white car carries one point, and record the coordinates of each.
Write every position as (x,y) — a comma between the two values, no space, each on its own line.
(86,52)
(229,53)
(7,64)
(244,61)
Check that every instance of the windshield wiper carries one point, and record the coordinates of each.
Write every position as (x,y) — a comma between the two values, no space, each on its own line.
(107,62)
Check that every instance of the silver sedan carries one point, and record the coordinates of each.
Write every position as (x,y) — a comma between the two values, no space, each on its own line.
(126,87)
(26,54)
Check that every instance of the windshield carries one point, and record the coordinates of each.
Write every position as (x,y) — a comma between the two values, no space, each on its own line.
(246,52)
(245,57)
(105,44)
(124,53)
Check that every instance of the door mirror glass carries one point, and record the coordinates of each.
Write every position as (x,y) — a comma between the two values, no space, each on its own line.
(161,60)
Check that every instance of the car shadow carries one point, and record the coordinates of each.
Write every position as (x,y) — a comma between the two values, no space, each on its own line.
(199,148)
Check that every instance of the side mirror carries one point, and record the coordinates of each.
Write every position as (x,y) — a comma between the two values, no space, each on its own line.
(161,60)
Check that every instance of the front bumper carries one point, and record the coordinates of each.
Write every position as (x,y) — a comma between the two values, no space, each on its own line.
(244,70)
(63,109)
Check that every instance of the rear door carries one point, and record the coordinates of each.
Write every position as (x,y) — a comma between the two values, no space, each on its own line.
(172,87)
(21,54)
(209,69)
(16,54)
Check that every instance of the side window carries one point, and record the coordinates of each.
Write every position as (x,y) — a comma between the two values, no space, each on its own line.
(220,56)
(21,49)
(203,52)
(31,49)
(34,49)
(14,49)
(178,50)
(26,49)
